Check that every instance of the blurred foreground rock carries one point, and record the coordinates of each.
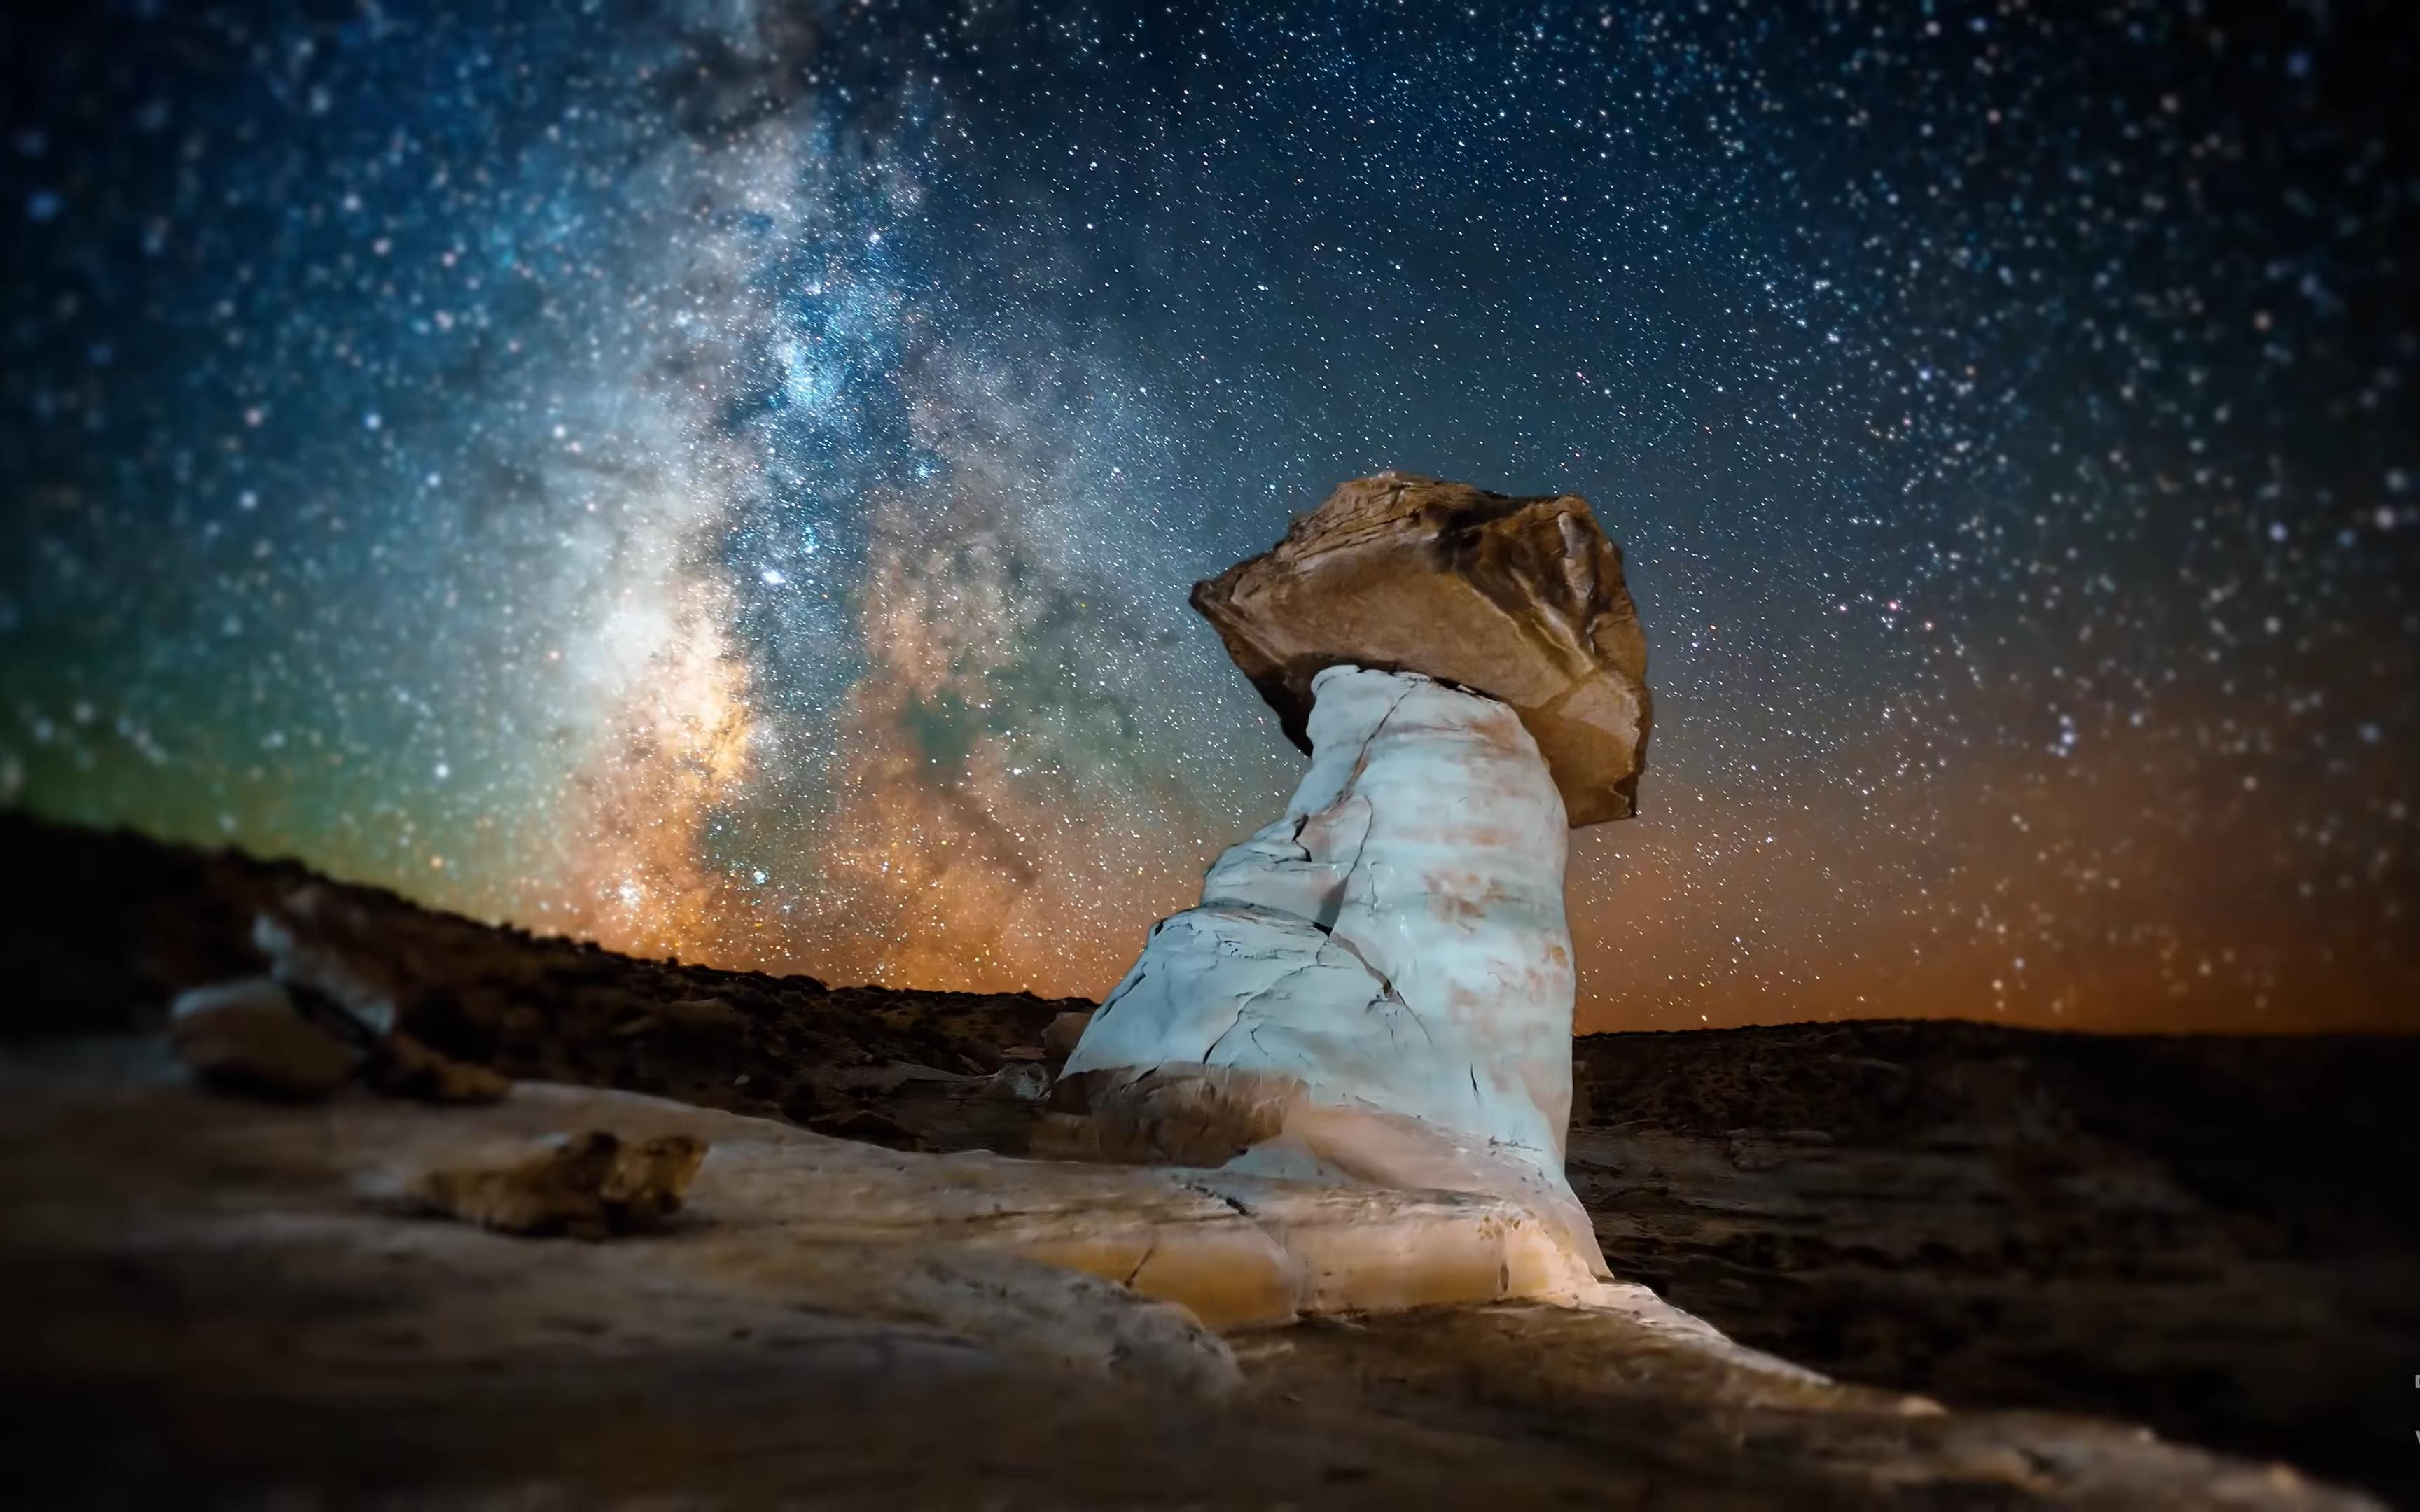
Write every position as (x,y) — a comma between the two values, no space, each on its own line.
(268,1037)
(401,1066)
(248,1037)
(590,1185)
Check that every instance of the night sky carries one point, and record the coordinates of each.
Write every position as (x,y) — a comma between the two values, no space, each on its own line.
(723,479)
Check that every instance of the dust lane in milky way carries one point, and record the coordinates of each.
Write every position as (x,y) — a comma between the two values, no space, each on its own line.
(724,481)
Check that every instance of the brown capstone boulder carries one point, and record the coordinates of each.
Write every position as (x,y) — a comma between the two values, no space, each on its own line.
(1519,599)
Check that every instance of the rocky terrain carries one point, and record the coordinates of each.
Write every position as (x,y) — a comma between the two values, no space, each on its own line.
(2210,1234)
(224,1299)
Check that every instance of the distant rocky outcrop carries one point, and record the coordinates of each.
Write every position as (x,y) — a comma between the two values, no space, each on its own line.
(105,929)
(1520,599)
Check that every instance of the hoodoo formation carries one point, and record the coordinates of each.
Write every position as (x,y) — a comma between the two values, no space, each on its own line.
(1378,986)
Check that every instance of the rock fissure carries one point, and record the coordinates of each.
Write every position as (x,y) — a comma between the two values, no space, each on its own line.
(1150,1252)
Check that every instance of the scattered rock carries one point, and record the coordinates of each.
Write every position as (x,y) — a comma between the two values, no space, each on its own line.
(403,1067)
(704,1019)
(1520,599)
(868,1126)
(593,1185)
(246,1037)
(1022,1080)
(644,1183)
(316,941)
(1059,1037)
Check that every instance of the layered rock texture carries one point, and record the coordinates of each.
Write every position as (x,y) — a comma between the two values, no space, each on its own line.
(1377,986)
(1519,599)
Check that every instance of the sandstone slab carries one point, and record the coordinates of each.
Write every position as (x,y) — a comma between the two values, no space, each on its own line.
(1992,1215)
(217,1301)
(1236,1250)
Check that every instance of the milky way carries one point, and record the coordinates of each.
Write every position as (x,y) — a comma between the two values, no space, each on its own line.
(723,480)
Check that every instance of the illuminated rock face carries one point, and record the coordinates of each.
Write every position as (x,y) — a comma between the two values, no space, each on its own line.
(1377,986)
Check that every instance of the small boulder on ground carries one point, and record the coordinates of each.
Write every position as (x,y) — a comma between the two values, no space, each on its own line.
(592,1186)
(1059,1037)
(404,1067)
(247,1037)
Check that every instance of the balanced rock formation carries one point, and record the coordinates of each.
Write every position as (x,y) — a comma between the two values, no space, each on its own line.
(1519,599)
(1378,986)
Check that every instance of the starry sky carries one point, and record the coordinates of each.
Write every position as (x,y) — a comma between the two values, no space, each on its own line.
(723,477)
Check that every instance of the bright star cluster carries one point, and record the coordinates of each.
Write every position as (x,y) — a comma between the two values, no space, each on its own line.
(723,480)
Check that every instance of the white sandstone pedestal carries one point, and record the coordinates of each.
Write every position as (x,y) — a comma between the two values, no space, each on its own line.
(1378,986)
